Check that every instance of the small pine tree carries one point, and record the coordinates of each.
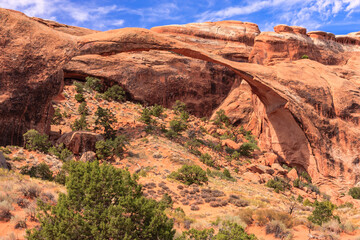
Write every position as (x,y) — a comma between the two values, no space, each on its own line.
(189,174)
(33,140)
(157,110)
(105,119)
(94,84)
(83,109)
(323,212)
(179,107)
(80,124)
(115,93)
(102,202)
(79,97)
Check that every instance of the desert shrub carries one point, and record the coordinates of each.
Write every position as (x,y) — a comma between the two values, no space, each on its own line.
(323,212)
(207,159)
(265,216)
(189,174)
(228,230)
(297,183)
(61,152)
(57,117)
(94,84)
(146,116)
(5,208)
(5,150)
(194,234)
(247,148)
(332,226)
(348,227)
(102,202)
(246,215)
(226,173)
(171,134)
(104,120)
(277,228)
(79,97)
(278,184)
(33,140)
(177,125)
(355,192)
(221,118)
(222,175)
(109,147)
(115,93)
(30,190)
(157,110)
(19,223)
(41,171)
(79,87)
(304,56)
(305,176)
(83,109)
(300,198)
(179,107)
(234,231)
(184,116)
(80,124)
(60,177)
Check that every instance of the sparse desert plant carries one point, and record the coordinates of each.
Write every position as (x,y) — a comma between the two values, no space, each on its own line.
(194,234)
(146,116)
(189,174)
(332,226)
(79,97)
(5,208)
(207,159)
(80,124)
(102,202)
(107,148)
(57,117)
(61,152)
(94,84)
(83,109)
(304,56)
(105,120)
(179,107)
(115,93)
(323,212)
(20,223)
(30,190)
(221,118)
(355,192)
(348,227)
(177,125)
(278,184)
(157,110)
(234,231)
(247,215)
(247,148)
(33,140)
(79,87)
(277,228)
(41,171)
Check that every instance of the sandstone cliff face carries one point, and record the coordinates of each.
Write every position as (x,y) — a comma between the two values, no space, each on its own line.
(305,111)
(31,73)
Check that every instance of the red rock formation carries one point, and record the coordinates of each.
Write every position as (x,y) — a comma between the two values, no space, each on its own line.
(307,112)
(232,40)
(164,77)
(31,60)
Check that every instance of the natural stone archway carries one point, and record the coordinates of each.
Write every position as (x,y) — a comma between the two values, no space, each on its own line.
(301,100)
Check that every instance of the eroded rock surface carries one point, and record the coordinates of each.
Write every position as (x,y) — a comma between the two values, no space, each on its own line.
(305,111)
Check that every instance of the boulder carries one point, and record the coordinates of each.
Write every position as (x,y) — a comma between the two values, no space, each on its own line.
(279,169)
(252,177)
(80,141)
(3,163)
(268,159)
(292,175)
(231,144)
(88,156)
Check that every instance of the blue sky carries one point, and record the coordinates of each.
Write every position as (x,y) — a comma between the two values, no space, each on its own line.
(336,16)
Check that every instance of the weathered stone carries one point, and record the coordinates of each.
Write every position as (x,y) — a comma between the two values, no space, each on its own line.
(88,156)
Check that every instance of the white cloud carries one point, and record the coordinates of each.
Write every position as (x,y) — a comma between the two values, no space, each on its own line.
(118,22)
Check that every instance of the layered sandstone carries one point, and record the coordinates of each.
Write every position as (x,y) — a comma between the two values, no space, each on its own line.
(305,111)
